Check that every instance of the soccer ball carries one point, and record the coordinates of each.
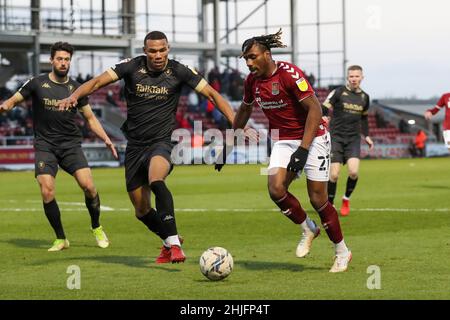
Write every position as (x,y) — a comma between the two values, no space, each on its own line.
(216,263)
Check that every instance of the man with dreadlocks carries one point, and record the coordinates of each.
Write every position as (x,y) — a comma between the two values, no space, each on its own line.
(288,101)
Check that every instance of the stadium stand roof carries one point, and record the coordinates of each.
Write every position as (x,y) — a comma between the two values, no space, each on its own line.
(414,108)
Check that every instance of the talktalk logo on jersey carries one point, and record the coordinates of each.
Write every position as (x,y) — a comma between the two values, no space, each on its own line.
(353,108)
(142,88)
(51,104)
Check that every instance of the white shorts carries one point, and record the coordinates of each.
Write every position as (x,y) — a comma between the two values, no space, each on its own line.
(317,166)
(446,134)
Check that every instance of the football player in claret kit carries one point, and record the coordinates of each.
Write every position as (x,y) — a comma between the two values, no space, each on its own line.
(153,85)
(288,101)
(58,141)
(444,102)
(350,105)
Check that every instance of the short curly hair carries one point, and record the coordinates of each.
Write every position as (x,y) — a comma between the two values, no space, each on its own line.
(61,46)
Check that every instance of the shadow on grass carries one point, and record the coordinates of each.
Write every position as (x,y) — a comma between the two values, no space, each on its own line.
(435,187)
(265,266)
(269,265)
(129,261)
(30,243)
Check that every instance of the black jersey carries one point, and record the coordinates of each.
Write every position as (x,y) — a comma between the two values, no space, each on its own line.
(152,98)
(53,128)
(350,111)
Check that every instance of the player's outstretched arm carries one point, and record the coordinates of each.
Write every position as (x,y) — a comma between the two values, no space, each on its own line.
(299,157)
(11,102)
(97,128)
(211,94)
(240,120)
(243,114)
(86,89)
(428,115)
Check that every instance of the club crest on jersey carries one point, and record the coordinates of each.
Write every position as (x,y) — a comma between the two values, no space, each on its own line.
(41,165)
(168,72)
(302,84)
(275,88)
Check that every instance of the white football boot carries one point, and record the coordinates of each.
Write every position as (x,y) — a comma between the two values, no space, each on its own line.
(305,243)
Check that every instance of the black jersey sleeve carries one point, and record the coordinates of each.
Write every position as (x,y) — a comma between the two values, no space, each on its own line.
(190,77)
(122,68)
(26,90)
(331,100)
(82,102)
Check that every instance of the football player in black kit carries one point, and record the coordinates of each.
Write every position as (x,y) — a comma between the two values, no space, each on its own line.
(58,140)
(152,89)
(350,105)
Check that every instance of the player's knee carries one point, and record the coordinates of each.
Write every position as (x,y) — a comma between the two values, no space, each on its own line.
(89,189)
(277,191)
(141,210)
(353,174)
(317,199)
(48,194)
(334,176)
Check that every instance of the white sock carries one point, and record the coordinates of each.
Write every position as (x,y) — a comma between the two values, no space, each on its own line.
(308,225)
(172,241)
(165,243)
(312,226)
(304,226)
(341,248)
(345,198)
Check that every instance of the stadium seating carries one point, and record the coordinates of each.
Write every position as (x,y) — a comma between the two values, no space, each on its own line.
(390,134)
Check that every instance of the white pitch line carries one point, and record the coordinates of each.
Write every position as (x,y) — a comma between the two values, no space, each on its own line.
(80,204)
(105,208)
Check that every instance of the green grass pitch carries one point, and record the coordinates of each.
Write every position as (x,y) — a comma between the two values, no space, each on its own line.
(399,223)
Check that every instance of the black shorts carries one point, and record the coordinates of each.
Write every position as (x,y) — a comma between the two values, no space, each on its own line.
(343,149)
(137,161)
(70,160)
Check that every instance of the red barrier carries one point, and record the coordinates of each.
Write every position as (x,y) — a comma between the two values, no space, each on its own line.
(16,155)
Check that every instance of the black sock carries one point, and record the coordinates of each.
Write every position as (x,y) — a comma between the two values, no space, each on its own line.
(93,206)
(164,206)
(53,215)
(154,223)
(331,191)
(351,184)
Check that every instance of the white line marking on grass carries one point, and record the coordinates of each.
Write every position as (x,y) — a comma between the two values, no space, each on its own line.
(105,208)
(62,209)
(81,204)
